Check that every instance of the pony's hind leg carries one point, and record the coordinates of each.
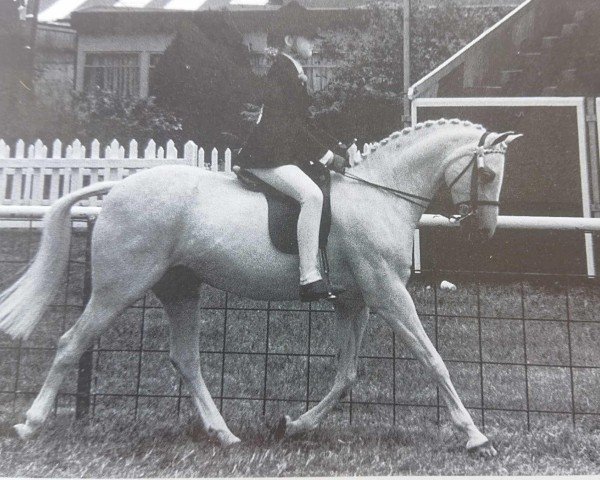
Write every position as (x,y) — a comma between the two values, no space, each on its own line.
(113,290)
(178,293)
(97,316)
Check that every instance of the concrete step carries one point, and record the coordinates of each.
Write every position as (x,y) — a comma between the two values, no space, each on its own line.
(549,42)
(569,29)
(527,60)
(540,63)
(559,17)
(589,60)
(510,76)
(550,91)
(529,44)
(485,91)
(568,76)
(570,83)
(580,16)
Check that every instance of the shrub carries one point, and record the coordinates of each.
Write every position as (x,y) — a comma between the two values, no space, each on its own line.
(205,77)
(105,115)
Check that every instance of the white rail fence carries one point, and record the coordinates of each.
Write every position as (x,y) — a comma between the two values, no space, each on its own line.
(38,175)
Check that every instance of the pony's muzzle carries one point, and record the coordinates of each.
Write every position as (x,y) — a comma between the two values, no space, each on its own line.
(476,230)
(484,222)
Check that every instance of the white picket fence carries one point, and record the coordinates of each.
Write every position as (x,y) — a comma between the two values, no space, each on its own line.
(30,176)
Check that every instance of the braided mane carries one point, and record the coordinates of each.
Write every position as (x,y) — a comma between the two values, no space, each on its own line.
(401,135)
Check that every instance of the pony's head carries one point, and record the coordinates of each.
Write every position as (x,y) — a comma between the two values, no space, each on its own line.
(474,177)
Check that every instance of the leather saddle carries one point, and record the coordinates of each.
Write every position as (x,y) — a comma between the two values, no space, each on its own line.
(284,210)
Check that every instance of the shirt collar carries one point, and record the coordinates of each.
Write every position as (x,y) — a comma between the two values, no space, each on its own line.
(295,62)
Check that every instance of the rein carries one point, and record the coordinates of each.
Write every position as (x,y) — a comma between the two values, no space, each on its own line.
(467,208)
(409,197)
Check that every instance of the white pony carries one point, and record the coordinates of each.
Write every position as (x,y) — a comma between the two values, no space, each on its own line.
(171,228)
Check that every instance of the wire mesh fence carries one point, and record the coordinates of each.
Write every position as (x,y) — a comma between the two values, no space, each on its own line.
(521,349)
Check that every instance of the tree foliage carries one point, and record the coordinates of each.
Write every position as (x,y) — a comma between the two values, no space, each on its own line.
(104,116)
(365,98)
(205,78)
(100,115)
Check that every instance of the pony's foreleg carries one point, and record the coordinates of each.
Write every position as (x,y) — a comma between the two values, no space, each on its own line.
(180,303)
(386,291)
(351,320)
(98,315)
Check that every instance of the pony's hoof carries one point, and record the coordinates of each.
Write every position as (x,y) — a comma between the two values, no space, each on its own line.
(485,450)
(227,439)
(281,428)
(7,430)
(24,431)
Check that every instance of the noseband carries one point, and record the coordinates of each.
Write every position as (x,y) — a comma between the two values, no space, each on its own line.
(480,174)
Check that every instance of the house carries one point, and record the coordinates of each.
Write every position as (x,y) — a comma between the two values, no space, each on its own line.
(120,42)
(115,44)
(537,71)
(118,47)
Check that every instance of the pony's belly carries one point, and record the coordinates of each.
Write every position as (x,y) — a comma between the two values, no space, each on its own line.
(227,244)
(251,272)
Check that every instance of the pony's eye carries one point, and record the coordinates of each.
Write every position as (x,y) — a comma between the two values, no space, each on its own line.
(463,209)
(486,175)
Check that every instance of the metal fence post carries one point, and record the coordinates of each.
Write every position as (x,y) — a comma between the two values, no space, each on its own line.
(84,371)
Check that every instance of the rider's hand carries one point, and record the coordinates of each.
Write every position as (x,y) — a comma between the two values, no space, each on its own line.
(337,163)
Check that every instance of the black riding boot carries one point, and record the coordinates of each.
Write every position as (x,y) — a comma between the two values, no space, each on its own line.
(319,291)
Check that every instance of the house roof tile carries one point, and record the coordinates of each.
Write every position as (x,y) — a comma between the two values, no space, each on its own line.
(55,10)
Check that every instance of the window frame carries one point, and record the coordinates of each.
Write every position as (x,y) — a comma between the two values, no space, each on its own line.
(135,79)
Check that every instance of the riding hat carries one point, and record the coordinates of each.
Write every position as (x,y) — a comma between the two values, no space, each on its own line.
(293,19)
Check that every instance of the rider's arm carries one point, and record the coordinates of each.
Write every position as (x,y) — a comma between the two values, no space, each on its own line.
(325,159)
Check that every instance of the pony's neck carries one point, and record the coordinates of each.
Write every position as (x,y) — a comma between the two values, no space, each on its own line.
(414,160)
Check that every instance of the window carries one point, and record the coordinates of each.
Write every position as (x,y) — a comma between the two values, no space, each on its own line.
(154,59)
(115,72)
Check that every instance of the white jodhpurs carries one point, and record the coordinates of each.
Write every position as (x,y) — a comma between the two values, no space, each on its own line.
(292,181)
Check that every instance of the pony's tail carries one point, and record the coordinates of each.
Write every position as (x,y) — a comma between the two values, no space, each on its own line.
(23,304)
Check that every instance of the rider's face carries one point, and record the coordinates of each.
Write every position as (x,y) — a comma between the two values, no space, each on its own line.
(303,46)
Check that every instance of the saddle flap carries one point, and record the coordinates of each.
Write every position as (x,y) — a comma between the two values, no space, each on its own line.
(283,210)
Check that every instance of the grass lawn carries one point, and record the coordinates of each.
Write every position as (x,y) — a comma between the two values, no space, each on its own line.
(512,346)
(124,448)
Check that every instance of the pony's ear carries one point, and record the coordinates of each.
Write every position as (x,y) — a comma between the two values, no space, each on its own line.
(497,138)
(512,137)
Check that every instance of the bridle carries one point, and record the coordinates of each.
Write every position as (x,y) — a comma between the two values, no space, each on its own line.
(480,174)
